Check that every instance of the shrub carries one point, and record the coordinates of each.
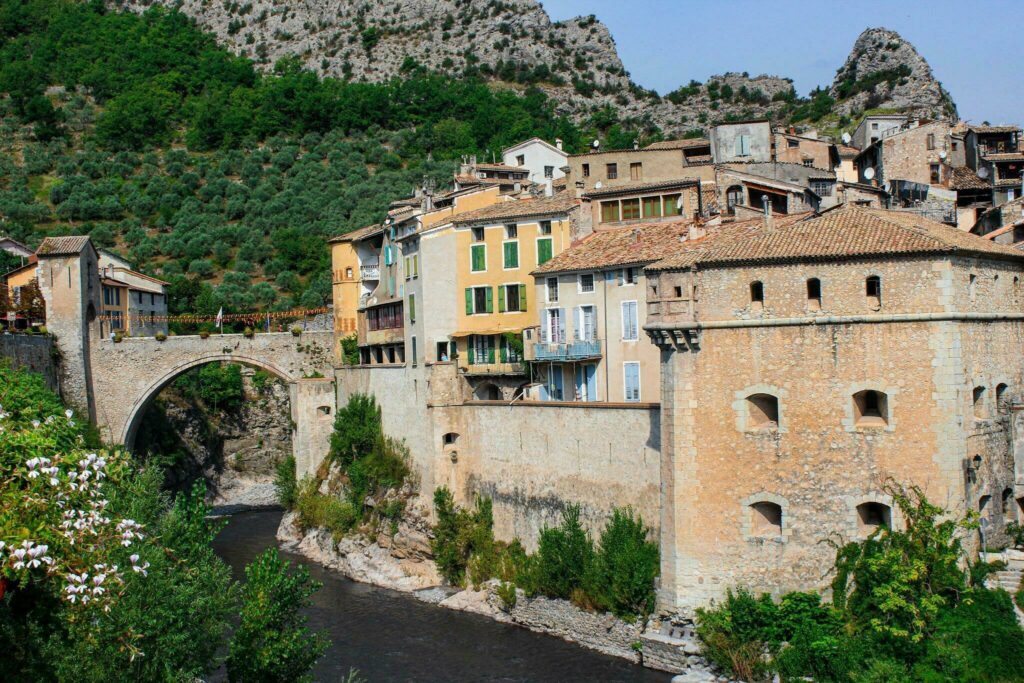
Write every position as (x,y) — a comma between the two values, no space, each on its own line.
(462,536)
(296,331)
(507,593)
(1015,530)
(384,467)
(564,556)
(622,574)
(285,483)
(204,334)
(249,332)
(356,429)
(118,337)
(160,336)
(272,642)
(317,510)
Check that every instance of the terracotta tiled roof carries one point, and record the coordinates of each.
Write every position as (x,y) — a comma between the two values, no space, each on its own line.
(559,183)
(1001,231)
(1004,156)
(679,144)
(994,129)
(709,196)
(637,244)
(357,234)
(474,180)
(1008,182)
(698,159)
(630,188)
(844,232)
(964,178)
(519,208)
(63,246)
(846,151)
(502,167)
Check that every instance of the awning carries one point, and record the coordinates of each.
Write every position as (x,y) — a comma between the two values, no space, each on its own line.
(469,333)
(765,188)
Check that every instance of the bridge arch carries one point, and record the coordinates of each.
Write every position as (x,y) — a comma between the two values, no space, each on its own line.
(138,408)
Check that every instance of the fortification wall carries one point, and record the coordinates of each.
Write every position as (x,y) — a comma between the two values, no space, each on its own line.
(33,353)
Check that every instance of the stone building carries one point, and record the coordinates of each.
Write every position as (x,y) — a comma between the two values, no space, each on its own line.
(805,362)
(669,160)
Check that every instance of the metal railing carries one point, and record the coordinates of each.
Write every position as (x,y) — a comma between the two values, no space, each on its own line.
(574,350)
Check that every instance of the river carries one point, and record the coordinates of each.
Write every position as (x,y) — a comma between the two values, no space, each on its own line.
(392,636)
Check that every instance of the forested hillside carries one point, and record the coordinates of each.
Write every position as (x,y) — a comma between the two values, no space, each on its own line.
(144,133)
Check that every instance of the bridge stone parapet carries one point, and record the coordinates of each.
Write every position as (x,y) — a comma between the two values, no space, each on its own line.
(127,375)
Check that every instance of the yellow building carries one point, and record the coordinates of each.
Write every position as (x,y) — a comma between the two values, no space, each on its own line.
(496,249)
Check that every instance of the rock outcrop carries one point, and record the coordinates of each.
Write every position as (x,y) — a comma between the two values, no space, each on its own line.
(515,43)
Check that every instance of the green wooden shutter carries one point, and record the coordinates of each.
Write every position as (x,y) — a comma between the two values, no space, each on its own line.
(469,301)
(501,298)
(490,350)
(490,299)
(511,250)
(479,258)
(543,251)
(469,350)
(522,298)
(412,308)
(504,352)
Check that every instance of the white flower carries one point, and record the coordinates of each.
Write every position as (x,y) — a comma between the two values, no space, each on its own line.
(35,423)
(68,413)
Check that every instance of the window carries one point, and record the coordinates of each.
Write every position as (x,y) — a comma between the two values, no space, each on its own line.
(631,381)
(1006,507)
(481,349)
(552,290)
(766,519)
(609,211)
(412,341)
(450,439)
(673,204)
(936,173)
(742,145)
(733,198)
(549,171)
(511,299)
(442,352)
(822,188)
(636,171)
(874,125)
(543,250)
(586,282)
(871,517)
(809,163)
(584,323)
(978,397)
(792,143)
(553,387)
(586,170)
(630,329)
(678,291)
(652,207)
(521,160)
(348,273)
(870,409)
(972,282)
(478,234)
(983,503)
(627,276)
(873,291)
(1002,398)
(545,227)
(479,300)
(931,141)
(756,295)
(511,255)
(478,258)
(612,171)
(553,326)
(511,231)
(387,317)
(412,308)
(814,294)
(630,209)
(762,412)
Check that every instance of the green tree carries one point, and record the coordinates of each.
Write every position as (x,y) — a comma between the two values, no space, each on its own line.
(625,565)
(272,643)
(564,555)
(356,429)
(138,118)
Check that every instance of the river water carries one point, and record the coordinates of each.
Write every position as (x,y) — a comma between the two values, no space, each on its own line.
(391,636)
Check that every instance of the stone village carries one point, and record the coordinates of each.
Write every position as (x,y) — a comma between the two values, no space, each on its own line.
(740,336)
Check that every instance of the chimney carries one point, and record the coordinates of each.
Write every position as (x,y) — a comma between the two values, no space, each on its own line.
(636,235)
(769,222)
(517,187)
(558,143)
(549,189)
(792,130)
(695,230)
(636,144)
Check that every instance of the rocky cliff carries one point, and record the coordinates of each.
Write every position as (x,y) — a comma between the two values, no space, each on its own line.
(515,43)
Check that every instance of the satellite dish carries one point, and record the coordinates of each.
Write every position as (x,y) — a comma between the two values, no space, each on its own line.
(886,186)
(983,172)
(942,154)
(598,185)
(595,144)
(846,138)
(869,172)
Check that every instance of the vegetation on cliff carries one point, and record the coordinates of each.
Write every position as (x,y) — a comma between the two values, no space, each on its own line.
(102,576)
(905,606)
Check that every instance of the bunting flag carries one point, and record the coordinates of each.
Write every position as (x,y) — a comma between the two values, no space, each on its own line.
(249,318)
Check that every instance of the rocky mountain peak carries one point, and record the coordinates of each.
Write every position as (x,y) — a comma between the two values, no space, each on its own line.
(884,71)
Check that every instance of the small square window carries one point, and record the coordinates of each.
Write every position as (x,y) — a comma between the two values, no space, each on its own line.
(586,170)
(545,227)
(478,234)
(521,160)
(586,282)
(549,171)
(511,231)
(612,171)
(552,290)
(792,144)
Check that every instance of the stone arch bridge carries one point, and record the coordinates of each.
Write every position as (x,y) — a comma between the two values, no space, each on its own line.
(124,377)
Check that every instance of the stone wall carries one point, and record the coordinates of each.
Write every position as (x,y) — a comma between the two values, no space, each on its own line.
(531,459)
(35,353)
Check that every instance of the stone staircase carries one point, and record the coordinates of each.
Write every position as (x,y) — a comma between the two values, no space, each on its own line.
(1008,579)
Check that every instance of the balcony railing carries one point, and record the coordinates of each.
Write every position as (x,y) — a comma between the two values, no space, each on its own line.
(370,272)
(574,350)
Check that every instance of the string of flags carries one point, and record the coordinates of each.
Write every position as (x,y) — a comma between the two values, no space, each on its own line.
(220,317)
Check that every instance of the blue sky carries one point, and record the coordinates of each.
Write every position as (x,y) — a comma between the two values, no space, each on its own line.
(974,47)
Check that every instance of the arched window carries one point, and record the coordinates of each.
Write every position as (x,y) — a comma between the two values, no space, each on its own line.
(1002,397)
(1007,508)
(324,410)
(765,519)
(814,294)
(487,392)
(972,286)
(983,504)
(978,398)
(762,412)
(450,438)
(757,295)
(871,516)
(873,291)
(733,198)
(870,408)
